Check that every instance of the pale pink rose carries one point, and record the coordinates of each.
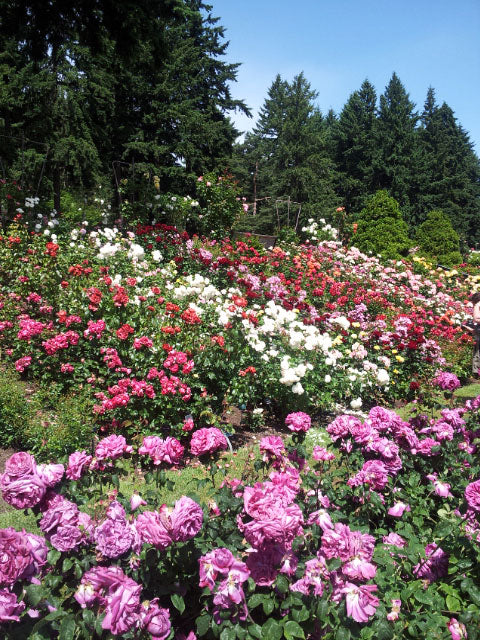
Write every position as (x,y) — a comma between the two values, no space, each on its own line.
(50,474)
(398,509)
(472,495)
(457,629)
(361,604)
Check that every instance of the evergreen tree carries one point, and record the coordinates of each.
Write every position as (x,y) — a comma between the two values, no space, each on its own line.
(100,81)
(287,158)
(452,170)
(397,164)
(437,239)
(381,228)
(355,147)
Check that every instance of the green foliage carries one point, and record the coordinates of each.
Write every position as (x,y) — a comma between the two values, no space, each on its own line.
(17,411)
(221,207)
(66,425)
(437,239)
(381,229)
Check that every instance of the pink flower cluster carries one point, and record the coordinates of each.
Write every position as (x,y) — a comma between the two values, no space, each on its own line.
(177,359)
(112,447)
(60,341)
(29,328)
(169,450)
(229,592)
(118,597)
(163,527)
(23,363)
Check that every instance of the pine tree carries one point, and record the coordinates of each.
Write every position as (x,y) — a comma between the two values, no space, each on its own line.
(397,163)
(355,147)
(381,229)
(452,170)
(287,158)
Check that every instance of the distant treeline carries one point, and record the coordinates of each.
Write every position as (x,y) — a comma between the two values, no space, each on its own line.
(91,89)
(297,155)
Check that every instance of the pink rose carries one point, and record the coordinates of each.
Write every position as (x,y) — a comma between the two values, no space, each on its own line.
(23,492)
(10,609)
(77,463)
(207,441)
(15,556)
(298,421)
(186,519)
(50,474)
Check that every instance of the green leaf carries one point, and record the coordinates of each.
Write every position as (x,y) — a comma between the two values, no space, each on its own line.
(255,630)
(342,634)
(53,556)
(255,600)
(67,628)
(203,624)
(35,593)
(228,633)
(453,604)
(67,565)
(293,630)
(178,602)
(281,583)
(268,606)
(271,630)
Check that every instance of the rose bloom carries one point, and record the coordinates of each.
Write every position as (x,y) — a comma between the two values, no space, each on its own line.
(320,453)
(15,556)
(10,609)
(112,447)
(361,604)
(50,474)
(272,445)
(298,421)
(23,492)
(77,462)
(207,440)
(156,621)
(457,629)
(186,519)
(472,495)
(20,464)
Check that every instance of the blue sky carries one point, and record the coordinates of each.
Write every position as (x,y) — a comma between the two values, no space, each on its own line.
(339,43)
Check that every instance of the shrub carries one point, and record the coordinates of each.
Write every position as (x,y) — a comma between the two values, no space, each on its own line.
(16,411)
(381,229)
(69,425)
(437,239)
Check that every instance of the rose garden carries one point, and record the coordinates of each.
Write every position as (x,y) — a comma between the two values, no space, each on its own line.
(343,503)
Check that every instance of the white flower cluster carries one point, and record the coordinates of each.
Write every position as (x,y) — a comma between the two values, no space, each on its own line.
(317,234)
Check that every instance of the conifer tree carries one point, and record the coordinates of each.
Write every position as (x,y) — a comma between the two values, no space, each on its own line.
(396,166)
(451,178)
(381,228)
(355,147)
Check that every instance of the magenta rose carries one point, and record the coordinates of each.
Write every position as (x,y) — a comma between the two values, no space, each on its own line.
(472,495)
(67,538)
(22,492)
(298,421)
(20,464)
(50,474)
(123,609)
(113,537)
(78,462)
(112,447)
(10,609)
(157,621)
(186,519)
(15,556)
(153,530)
(207,440)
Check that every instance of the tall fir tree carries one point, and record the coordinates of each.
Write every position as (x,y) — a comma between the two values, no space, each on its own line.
(452,169)
(396,166)
(287,158)
(354,138)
